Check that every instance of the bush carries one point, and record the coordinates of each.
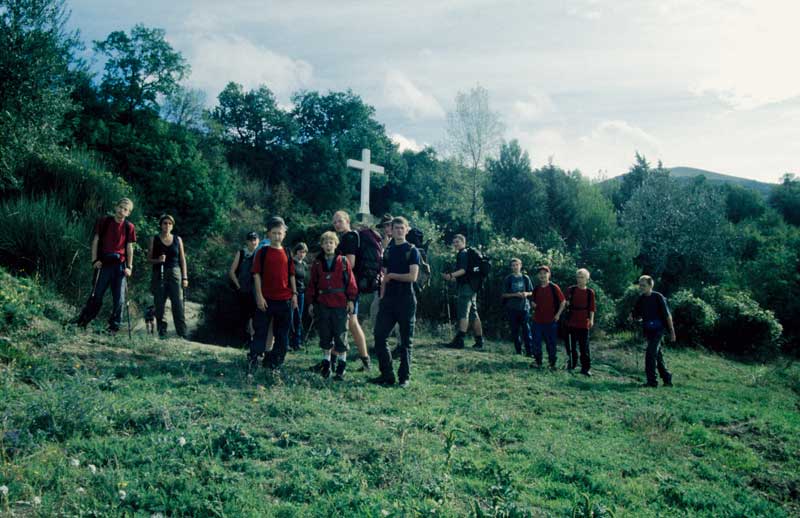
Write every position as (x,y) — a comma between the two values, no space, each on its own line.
(743,326)
(693,318)
(625,306)
(19,302)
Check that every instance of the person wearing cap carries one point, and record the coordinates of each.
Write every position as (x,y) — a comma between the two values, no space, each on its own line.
(242,280)
(170,277)
(548,302)
(276,297)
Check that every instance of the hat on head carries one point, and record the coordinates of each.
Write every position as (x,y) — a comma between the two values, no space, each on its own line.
(252,235)
(385,220)
(543,267)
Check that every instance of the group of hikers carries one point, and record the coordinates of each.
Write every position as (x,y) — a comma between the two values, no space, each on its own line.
(375,270)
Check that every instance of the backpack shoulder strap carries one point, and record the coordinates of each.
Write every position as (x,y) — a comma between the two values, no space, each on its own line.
(345,272)
(554,294)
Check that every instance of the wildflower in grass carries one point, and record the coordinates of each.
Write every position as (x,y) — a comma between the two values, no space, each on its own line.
(4,490)
(181,441)
(74,463)
(80,491)
(93,468)
(37,500)
(122,494)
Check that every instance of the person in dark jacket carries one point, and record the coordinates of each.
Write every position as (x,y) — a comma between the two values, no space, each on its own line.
(652,309)
(299,252)
(332,291)
(169,277)
(517,288)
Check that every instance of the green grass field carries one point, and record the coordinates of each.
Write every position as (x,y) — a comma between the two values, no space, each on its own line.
(95,426)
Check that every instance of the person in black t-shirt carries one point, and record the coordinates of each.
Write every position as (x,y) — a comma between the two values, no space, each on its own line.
(651,307)
(398,304)
(348,247)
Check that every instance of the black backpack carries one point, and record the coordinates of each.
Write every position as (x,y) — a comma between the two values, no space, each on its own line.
(478,268)
(368,261)
(417,239)
(288,259)
(243,271)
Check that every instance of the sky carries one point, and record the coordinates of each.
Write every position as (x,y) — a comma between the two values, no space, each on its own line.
(711,84)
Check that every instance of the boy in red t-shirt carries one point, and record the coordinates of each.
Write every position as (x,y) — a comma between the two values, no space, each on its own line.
(276,297)
(112,260)
(582,307)
(548,303)
(332,292)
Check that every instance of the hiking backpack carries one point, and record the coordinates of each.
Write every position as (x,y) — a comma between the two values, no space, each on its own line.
(368,261)
(417,239)
(102,231)
(243,271)
(478,268)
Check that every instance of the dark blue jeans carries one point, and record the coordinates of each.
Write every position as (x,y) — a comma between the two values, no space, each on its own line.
(654,358)
(296,326)
(279,312)
(550,334)
(400,310)
(520,323)
(112,275)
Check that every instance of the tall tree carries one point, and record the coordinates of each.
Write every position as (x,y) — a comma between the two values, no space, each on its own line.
(474,133)
(252,118)
(785,198)
(139,67)
(36,51)
(634,178)
(514,196)
(185,107)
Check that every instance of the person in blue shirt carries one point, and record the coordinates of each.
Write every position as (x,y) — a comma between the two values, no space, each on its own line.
(517,287)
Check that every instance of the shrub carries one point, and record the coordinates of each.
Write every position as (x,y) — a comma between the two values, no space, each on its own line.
(743,326)
(693,318)
(625,306)
(19,302)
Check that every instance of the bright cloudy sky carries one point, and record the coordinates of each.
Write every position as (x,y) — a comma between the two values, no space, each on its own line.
(712,84)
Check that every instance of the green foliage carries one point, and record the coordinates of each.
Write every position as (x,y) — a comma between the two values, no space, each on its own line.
(252,118)
(785,198)
(743,326)
(139,67)
(625,306)
(742,203)
(585,508)
(34,90)
(694,319)
(20,302)
(664,216)
(636,176)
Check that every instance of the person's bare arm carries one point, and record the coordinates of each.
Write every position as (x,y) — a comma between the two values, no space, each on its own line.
(232,272)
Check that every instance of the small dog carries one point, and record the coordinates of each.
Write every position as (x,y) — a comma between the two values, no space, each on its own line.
(150,319)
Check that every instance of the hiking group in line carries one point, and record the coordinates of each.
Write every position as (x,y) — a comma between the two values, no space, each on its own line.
(377,268)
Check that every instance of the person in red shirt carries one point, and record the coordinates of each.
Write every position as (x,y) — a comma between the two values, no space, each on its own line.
(548,303)
(112,260)
(332,293)
(581,306)
(276,297)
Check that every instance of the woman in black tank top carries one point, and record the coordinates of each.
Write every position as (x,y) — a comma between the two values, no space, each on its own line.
(169,276)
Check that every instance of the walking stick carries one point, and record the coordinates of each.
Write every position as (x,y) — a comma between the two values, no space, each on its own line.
(447,304)
(96,276)
(128,311)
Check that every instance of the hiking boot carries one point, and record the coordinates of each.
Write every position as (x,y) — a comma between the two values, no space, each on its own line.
(478,343)
(457,342)
(404,383)
(537,364)
(587,373)
(384,381)
(325,369)
(668,382)
(365,364)
(552,367)
(341,367)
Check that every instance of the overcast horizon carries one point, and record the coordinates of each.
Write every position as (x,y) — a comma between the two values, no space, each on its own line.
(587,83)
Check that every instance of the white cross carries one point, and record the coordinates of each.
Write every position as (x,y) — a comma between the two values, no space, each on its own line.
(366,168)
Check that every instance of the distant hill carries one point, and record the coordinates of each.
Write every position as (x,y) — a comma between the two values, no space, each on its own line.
(691,172)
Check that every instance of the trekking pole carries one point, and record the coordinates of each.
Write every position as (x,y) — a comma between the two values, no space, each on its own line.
(96,276)
(447,304)
(128,311)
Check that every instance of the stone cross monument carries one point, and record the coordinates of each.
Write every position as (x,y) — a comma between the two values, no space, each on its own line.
(366,168)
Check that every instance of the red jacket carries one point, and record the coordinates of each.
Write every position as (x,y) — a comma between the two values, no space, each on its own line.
(332,288)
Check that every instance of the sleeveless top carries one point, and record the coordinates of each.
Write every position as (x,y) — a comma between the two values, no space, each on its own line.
(172,252)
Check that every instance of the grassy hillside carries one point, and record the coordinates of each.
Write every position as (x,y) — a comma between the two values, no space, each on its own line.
(95,426)
(691,172)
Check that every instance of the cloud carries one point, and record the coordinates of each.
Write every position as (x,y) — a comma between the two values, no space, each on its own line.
(404,143)
(400,92)
(219,59)
(534,108)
